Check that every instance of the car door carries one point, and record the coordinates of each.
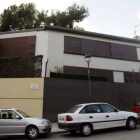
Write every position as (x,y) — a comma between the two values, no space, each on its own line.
(11,125)
(113,117)
(95,115)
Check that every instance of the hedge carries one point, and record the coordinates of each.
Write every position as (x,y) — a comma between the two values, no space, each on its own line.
(21,67)
(77,76)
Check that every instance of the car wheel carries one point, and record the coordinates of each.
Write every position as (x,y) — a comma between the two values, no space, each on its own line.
(73,132)
(32,132)
(86,130)
(131,124)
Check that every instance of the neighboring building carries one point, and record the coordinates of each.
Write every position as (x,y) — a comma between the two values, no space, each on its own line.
(112,56)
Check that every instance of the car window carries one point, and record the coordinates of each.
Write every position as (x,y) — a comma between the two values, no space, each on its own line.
(22,113)
(8,114)
(91,109)
(73,109)
(107,108)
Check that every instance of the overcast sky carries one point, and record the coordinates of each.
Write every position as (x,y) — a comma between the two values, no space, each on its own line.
(114,17)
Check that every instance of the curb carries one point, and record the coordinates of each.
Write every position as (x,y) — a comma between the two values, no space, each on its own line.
(59,132)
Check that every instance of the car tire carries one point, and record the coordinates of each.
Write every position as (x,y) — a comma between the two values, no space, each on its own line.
(73,132)
(86,130)
(32,132)
(131,123)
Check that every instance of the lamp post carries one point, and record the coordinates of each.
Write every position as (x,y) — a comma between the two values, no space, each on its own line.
(88,59)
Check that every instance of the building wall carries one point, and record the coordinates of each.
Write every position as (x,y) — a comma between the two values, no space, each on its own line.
(16,93)
(59,58)
(62,94)
(42,48)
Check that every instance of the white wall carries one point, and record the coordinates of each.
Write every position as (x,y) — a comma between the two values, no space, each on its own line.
(42,48)
(51,44)
(138,53)
(118,77)
(15,35)
(59,58)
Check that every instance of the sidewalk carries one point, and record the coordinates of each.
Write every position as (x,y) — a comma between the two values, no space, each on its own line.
(55,129)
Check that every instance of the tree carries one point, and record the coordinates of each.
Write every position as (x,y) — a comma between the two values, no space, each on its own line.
(67,18)
(26,16)
(21,17)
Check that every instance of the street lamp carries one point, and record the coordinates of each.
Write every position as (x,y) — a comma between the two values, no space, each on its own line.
(88,59)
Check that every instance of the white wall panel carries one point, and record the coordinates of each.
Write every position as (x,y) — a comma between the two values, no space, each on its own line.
(118,77)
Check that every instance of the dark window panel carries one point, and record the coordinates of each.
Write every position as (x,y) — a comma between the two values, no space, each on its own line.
(131,77)
(88,46)
(103,49)
(14,47)
(95,72)
(31,39)
(72,45)
(123,51)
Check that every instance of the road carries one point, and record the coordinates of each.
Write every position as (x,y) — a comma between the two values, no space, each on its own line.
(110,134)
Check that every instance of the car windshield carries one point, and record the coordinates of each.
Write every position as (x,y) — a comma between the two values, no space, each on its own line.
(22,113)
(73,109)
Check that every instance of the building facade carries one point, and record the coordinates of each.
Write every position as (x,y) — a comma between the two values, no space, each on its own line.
(116,58)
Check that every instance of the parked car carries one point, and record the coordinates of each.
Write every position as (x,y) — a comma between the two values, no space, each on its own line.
(16,122)
(93,116)
(136,106)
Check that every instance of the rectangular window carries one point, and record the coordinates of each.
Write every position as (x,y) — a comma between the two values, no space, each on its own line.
(95,108)
(123,51)
(99,48)
(72,45)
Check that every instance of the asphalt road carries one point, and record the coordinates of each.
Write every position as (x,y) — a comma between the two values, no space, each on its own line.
(109,134)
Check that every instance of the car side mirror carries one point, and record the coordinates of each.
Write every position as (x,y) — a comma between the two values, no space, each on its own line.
(18,117)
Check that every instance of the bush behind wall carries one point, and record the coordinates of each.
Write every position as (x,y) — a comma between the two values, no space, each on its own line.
(21,67)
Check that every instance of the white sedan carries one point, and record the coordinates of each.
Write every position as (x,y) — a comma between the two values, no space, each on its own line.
(93,116)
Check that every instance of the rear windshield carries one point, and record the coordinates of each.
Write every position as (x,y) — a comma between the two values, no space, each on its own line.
(73,109)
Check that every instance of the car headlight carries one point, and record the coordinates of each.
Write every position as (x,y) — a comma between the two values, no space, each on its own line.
(44,122)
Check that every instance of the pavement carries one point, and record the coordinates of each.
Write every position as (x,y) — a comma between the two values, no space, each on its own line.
(55,129)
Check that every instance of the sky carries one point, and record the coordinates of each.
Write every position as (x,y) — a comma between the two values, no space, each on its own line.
(113,17)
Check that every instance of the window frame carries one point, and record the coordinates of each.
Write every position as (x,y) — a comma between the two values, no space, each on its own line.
(8,111)
(91,113)
(115,109)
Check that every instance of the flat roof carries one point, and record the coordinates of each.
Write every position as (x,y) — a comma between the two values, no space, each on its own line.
(22,31)
(92,34)
(78,32)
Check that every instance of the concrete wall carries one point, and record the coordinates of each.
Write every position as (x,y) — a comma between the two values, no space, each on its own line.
(42,48)
(59,58)
(17,93)
(61,94)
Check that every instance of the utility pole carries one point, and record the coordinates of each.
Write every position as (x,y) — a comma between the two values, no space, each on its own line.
(135,31)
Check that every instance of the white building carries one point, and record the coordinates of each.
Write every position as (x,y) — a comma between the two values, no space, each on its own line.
(112,56)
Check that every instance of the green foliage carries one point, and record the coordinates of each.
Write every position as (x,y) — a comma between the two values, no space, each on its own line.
(21,17)
(67,18)
(26,16)
(76,76)
(21,67)
(78,28)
